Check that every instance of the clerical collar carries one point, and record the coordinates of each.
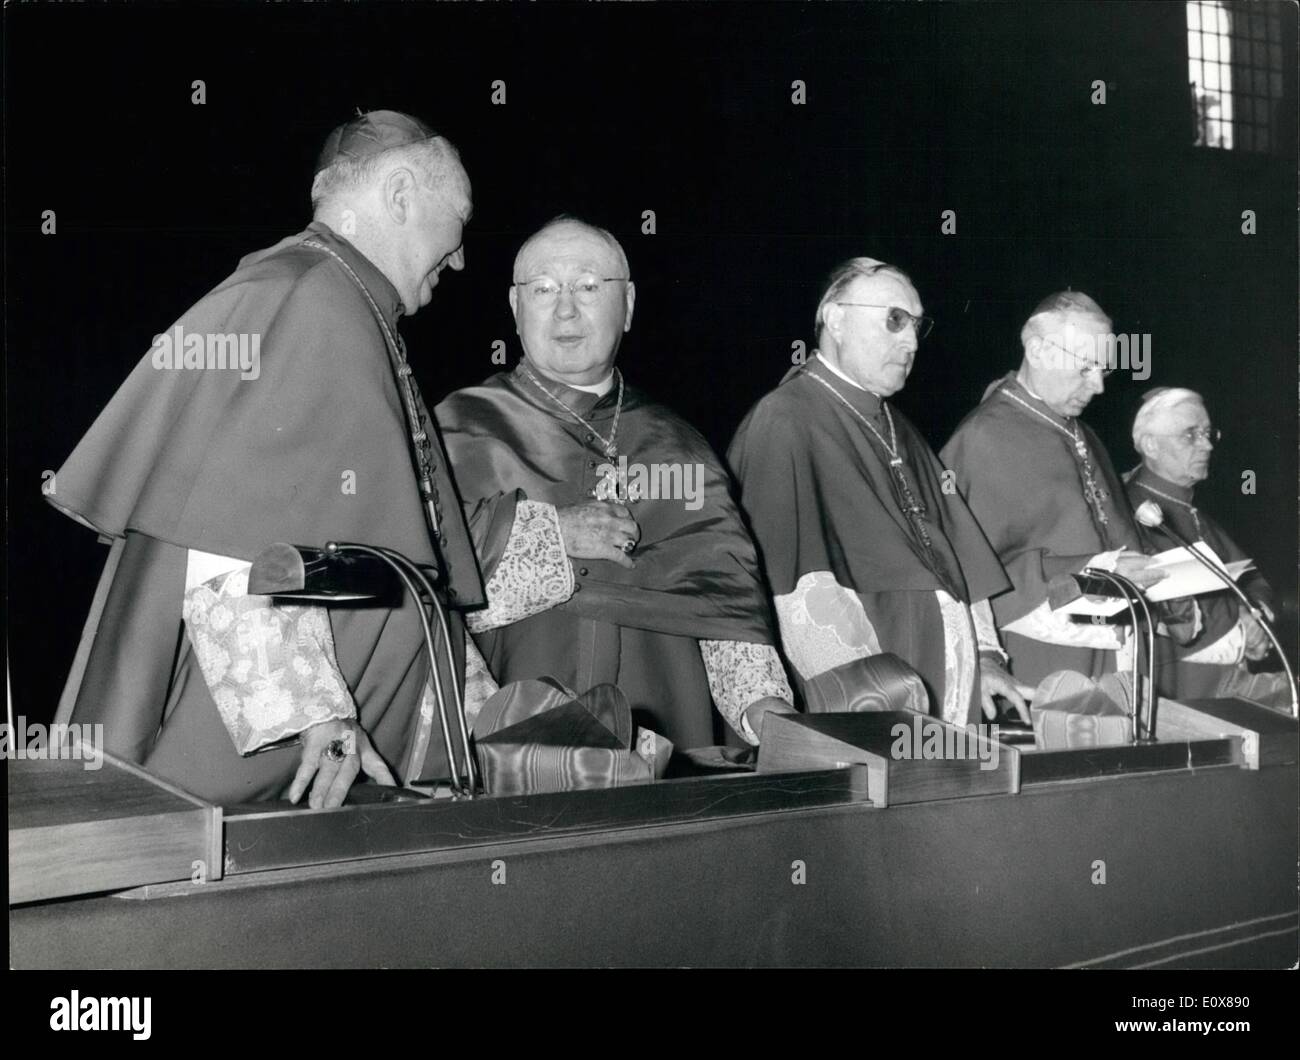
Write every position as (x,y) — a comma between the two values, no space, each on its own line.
(1014,377)
(379,286)
(1144,476)
(599,389)
(589,395)
(873,400)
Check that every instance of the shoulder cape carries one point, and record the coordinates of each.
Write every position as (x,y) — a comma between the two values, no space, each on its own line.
(313,447)
(819,497)
(696,575)
(1022,480)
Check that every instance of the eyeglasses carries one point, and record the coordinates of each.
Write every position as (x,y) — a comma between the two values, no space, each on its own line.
(1085,370)
(543,292)
(897,319)
(1196,434)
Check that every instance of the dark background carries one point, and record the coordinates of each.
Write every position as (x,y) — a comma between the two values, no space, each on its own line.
(912,109)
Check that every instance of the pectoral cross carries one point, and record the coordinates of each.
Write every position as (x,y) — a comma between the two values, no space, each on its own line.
(912,508)
(1093,492)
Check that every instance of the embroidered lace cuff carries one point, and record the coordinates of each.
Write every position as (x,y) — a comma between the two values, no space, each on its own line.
(270,668)
(740,674)
(534,573)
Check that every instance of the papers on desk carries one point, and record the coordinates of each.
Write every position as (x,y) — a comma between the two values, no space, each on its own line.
(1184,577)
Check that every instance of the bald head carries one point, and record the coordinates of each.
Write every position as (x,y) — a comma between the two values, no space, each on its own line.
(570,232)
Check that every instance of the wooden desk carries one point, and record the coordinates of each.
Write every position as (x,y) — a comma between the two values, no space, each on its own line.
(79,830)
(1149,862)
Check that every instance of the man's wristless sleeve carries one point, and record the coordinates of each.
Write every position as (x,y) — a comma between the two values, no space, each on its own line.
(740,674)
(986,630)
(271,668)
(534,573)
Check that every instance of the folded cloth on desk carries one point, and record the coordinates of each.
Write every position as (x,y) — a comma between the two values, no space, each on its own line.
(537,736)
(1072,710)
(876,682)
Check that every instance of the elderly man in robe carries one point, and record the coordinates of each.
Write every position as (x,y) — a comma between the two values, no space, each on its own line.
(1042,487)
(196,466)
(864,548)
(1173,435)
(628,562)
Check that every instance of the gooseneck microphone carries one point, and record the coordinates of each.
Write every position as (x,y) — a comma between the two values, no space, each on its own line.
(1151,515)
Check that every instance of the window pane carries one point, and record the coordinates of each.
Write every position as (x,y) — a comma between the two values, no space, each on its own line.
(1274,30)
(1193,16)
(1275,85)
(1210,46)
(1212,76)
(1245,109)
(1257,27)
(1193,45)
(1245,137)
(1275,57)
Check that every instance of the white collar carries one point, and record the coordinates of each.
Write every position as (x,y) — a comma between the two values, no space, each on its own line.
(1021,381)
(839,373)
(599,389)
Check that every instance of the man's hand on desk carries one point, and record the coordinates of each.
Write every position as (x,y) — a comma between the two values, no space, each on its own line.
(995,681)
(599,530)
(1257,643)
(1137,568)
(335,777)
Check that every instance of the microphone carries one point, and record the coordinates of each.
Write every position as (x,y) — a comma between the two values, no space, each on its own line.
(1152,516)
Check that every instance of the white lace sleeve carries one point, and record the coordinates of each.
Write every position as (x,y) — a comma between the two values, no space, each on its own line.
(740,674)
(271,668)
(823,625)
(534,573)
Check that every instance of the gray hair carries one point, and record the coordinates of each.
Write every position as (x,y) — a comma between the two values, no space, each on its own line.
(568,219)
(1049,315)
(840,279)
(1155,403)
(435,162)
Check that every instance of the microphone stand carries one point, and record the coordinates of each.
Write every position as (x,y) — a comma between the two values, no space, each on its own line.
(296,572)
(1132,593)
(411,576)
(1255,611)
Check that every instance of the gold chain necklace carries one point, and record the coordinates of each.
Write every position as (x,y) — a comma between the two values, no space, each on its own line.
(912,508)
(1196,518)
(1093,492)
(608,446)
(419,437)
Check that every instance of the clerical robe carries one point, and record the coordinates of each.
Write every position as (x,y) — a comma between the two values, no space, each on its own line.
(1019,469)
(1214,663)
(829,515)
(690,626)
(191,462)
